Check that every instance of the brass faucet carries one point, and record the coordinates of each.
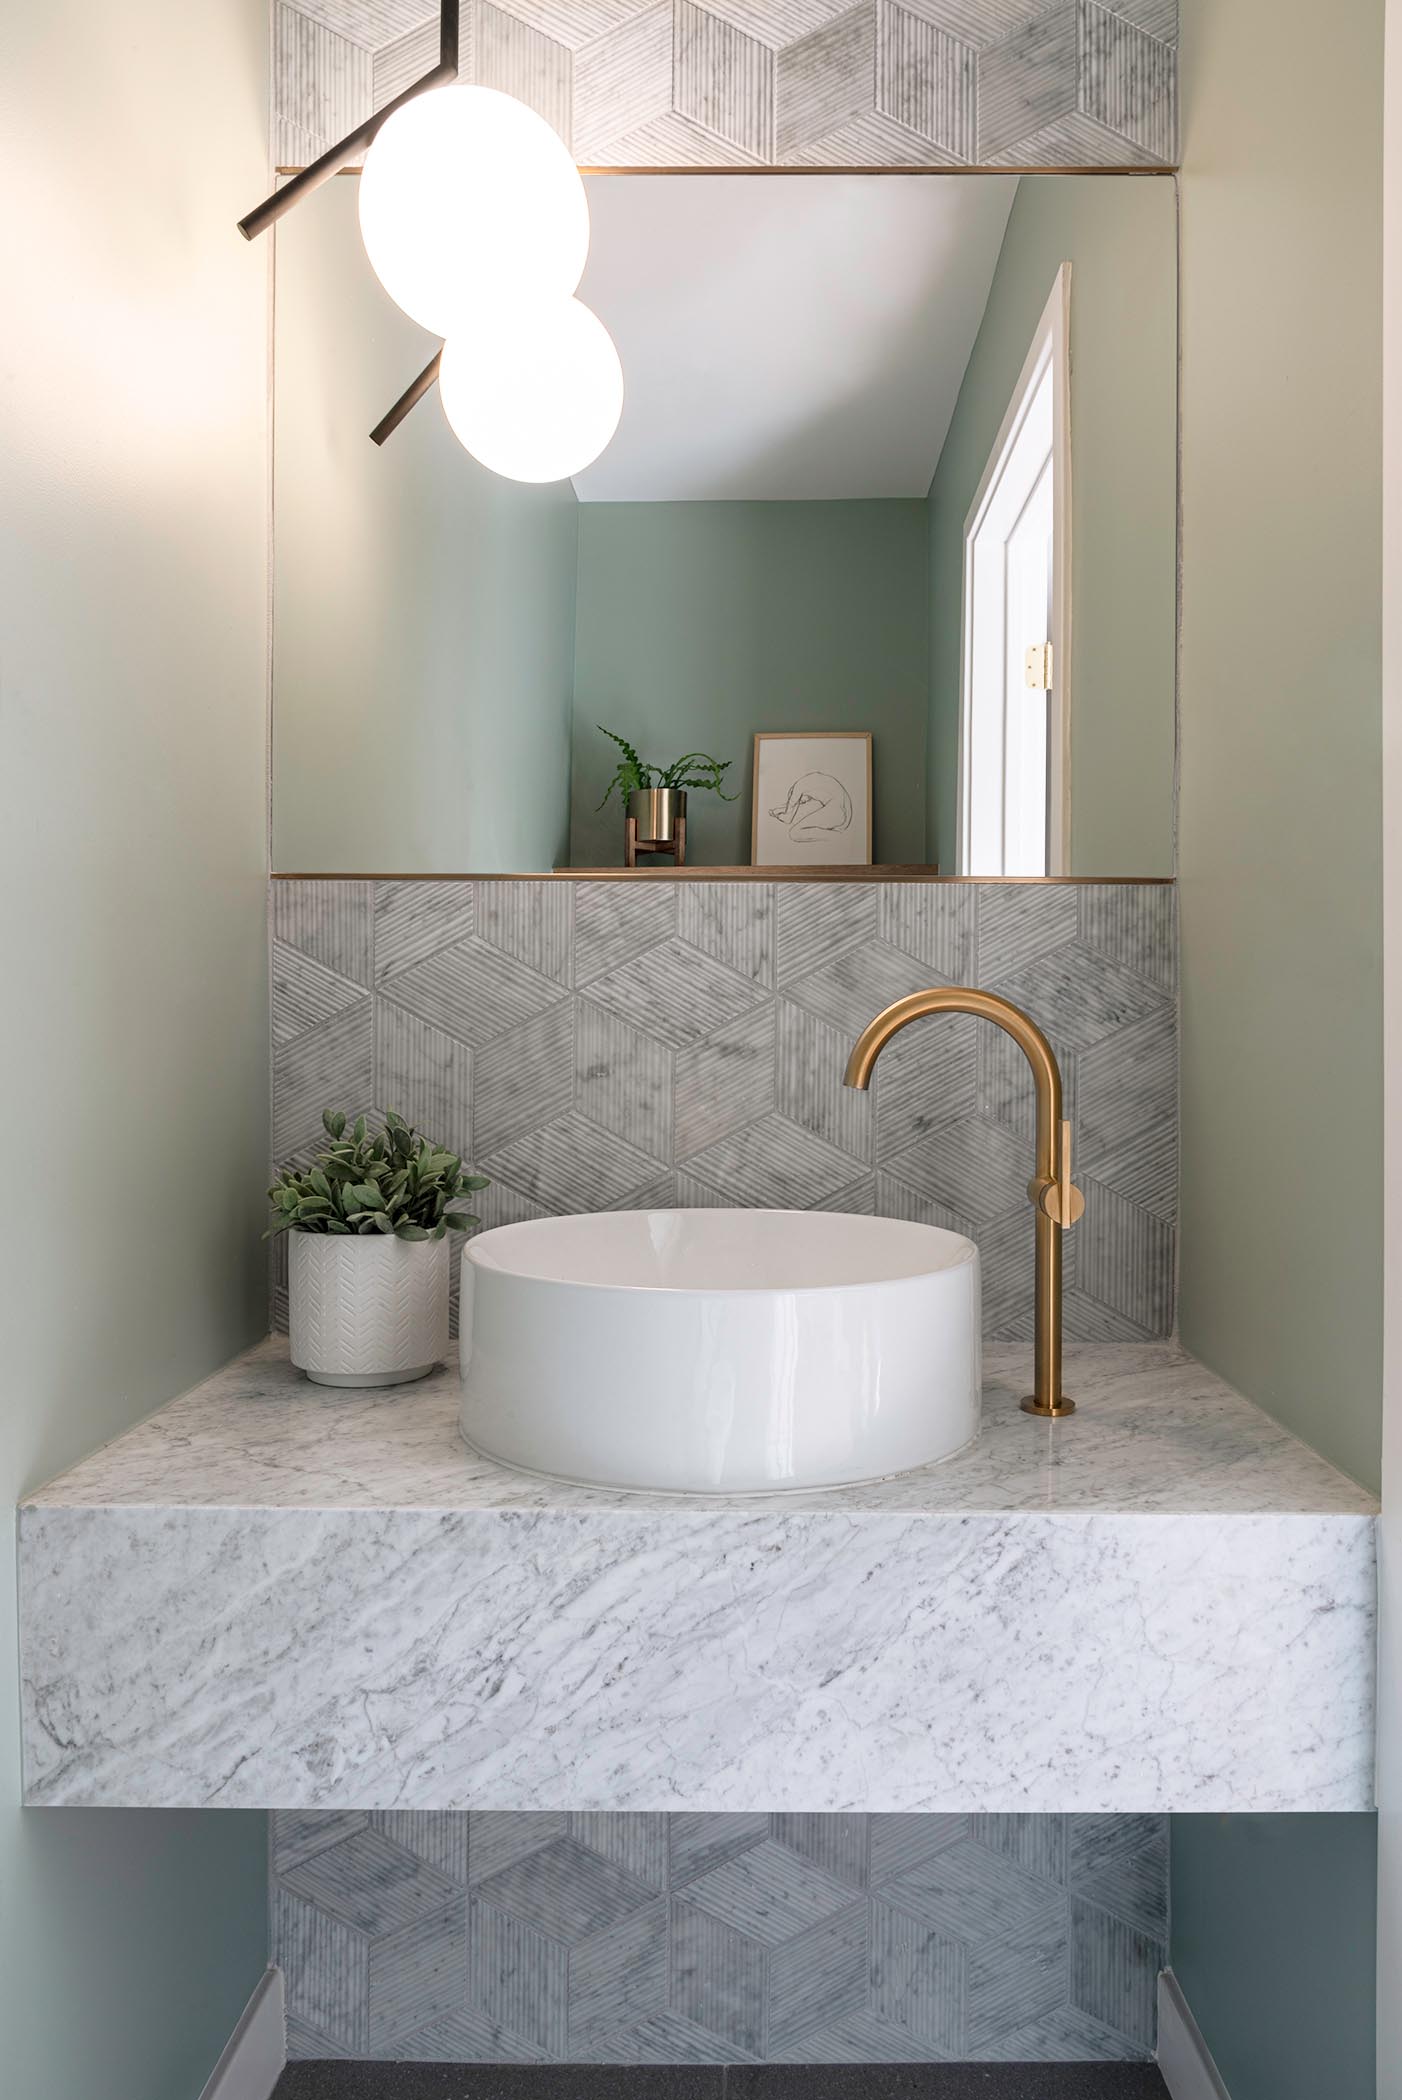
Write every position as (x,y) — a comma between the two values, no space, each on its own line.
(1053,1195)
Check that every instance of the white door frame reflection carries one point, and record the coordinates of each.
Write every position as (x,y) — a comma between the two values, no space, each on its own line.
(1014,807)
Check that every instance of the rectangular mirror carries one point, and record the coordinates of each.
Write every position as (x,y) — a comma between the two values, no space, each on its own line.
(897,461)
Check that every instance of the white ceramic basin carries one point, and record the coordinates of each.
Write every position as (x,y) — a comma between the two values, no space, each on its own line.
(720,1351)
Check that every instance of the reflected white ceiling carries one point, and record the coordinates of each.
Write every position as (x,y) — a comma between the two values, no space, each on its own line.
(787,336)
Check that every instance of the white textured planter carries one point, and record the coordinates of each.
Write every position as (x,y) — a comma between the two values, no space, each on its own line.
(366,1311)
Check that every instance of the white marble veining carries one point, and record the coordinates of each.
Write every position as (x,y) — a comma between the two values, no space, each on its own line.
(271,1596)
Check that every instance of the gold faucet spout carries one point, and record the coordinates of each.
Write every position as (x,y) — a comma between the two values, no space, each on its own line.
(1055,1198)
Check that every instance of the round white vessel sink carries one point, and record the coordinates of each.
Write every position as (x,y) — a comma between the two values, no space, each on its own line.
(719,1351)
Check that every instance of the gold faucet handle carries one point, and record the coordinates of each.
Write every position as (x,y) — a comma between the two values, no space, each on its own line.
(1061,1200)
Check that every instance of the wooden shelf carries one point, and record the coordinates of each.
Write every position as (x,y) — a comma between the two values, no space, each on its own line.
(704,874)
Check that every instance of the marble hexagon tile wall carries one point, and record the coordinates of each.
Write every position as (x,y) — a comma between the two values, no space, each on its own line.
(818,83)
(705,1938)
(608,1045)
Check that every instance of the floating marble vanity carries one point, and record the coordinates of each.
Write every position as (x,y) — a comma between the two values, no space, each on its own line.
(268,1595)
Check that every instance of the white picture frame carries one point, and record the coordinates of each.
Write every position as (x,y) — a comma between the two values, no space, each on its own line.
(812,799)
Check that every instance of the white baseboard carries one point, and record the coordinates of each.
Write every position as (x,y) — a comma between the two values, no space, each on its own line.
(1185,2061)
(256,2051)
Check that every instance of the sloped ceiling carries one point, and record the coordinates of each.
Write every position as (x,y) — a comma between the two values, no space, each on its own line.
(784,337)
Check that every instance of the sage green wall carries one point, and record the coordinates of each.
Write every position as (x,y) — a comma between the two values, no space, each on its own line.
(1273,1943)
(1280,817)
(1279,845)
(133,590)
(1119,236)
(700,623)
(423,612)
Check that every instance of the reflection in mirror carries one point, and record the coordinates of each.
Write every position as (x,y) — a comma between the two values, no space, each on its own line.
(897,459)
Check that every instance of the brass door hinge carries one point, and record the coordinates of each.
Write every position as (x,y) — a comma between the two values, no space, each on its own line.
(1037,667)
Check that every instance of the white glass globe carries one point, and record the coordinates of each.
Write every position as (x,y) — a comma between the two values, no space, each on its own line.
(534,392)
(467,198)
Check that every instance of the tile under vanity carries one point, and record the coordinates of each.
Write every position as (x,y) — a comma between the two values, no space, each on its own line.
(860,1775)
(720,1938)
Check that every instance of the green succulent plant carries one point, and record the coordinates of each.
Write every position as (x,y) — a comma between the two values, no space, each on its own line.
(692,770)
(394,1182)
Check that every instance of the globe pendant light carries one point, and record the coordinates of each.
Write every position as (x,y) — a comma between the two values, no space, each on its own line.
(475,221)
(469,201)
(534,392)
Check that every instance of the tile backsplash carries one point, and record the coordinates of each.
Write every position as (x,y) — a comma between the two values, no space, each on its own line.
(601,1045)
(712,1938)
(805,83)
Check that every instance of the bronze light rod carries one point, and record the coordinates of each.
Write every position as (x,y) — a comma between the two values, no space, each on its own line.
(412,394)
(331,162)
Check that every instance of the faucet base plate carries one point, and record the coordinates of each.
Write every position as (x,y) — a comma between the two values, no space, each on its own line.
(1053,1410)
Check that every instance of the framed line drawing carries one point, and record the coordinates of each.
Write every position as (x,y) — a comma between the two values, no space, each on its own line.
(812,799)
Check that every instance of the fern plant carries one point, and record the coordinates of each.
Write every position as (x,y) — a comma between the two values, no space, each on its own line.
(394,1182)
(694,769)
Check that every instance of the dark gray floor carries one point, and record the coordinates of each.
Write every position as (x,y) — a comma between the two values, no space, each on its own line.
(379,2081)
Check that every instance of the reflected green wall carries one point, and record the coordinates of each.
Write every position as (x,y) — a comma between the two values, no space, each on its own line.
(423,636)
(1274,1928)
(1119,237)
(700,623)
(133,632)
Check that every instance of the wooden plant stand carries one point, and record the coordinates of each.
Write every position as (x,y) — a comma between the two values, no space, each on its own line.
(633,845)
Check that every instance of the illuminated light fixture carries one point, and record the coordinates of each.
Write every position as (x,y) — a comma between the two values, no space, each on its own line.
(476,222)
(534,393)
(469,199)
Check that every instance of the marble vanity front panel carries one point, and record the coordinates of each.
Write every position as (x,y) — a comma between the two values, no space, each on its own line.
(597,1045)
(274,1596)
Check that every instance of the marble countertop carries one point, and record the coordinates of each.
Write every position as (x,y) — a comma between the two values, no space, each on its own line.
(272,1595)
(1153,1433)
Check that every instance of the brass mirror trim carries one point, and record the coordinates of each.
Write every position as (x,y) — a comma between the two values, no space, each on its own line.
(975,167)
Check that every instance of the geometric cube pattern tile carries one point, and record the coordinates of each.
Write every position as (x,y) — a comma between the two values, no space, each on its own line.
(720,1939)
(611,1045)
(816,83)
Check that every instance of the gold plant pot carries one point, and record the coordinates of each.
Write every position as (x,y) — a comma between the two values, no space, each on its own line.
(655,812)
